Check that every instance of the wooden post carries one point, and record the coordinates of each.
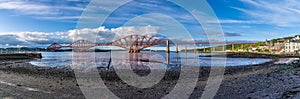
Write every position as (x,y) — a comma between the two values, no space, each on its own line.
(167,47)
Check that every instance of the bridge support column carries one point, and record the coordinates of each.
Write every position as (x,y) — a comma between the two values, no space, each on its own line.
(134,51)
(168,58)
(242,47)
(204,50)
(167,47)
(185,50)
(177,48)
(232,47)
(195,49)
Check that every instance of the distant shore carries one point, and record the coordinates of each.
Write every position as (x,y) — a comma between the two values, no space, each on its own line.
(20,55)
(251,55)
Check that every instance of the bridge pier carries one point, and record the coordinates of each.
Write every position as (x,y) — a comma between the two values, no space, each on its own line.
(213,49)
(204,50)
(168,58)
(167,47)
(134,51)
(185,50)
(195,49)
(242,46)
(232,47)
(177,48)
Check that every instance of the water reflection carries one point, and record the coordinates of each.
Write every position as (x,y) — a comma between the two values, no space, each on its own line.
(138,60)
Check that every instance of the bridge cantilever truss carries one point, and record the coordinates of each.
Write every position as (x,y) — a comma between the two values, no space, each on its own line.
(54,47)
(136,43)
(132,43)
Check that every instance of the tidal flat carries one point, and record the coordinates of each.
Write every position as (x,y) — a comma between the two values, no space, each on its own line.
(20,79)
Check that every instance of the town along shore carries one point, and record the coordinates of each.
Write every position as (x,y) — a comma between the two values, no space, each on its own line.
(251,55)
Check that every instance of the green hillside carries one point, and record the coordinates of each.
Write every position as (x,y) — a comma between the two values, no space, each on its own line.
(243,46)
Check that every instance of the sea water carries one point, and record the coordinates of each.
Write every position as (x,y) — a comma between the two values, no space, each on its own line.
(102,59)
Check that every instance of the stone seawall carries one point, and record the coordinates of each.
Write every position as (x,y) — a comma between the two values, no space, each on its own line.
(20,55)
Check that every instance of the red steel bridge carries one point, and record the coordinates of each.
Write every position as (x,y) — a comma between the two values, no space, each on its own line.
(132,43)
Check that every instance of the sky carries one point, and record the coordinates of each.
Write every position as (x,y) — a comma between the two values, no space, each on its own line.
(38,23)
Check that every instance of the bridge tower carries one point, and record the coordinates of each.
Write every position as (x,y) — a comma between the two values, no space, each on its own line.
(167,46)
(54,47)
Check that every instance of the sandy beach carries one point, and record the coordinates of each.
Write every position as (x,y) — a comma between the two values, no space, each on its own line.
(20,79)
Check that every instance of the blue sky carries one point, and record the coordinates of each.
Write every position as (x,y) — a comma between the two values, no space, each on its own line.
(39,22)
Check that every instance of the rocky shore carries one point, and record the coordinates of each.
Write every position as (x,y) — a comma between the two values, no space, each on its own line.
(20,79)
(268,81)
(12,56)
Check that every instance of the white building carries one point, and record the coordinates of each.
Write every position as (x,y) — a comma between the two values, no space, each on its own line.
(296,37)
(279,46)
(292,46)
(252,48)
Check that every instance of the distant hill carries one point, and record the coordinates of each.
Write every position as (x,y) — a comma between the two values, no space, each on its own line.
(246,46)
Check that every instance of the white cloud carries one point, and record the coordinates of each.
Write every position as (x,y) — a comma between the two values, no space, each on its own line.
(31,38)
(99,35)
(131,30)
(237,21)
(87,33)
(102,34)
(27,7)
(39,9)
(283,13)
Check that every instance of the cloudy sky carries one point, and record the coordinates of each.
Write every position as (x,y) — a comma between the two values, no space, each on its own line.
(41,22)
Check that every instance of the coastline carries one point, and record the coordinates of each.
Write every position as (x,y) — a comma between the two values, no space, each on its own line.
(251,55)
(13,56)
(268,80)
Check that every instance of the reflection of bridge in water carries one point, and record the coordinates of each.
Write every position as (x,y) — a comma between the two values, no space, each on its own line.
(136,43)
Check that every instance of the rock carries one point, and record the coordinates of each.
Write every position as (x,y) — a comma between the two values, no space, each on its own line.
(139,91)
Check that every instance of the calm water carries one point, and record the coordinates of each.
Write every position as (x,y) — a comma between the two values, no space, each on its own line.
(101,59)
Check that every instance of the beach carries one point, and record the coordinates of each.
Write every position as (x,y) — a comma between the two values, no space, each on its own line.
(20,79)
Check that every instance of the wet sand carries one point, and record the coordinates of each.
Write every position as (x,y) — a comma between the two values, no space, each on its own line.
(19,79)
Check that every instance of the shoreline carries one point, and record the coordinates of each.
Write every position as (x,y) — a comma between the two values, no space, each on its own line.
(12,56)
(23,66)
(239,81)
(250,55)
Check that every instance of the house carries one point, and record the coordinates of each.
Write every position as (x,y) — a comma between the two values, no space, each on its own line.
(269,43)
(292,46)
(297,37)
(279,46)
(252,48)
(263,46)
